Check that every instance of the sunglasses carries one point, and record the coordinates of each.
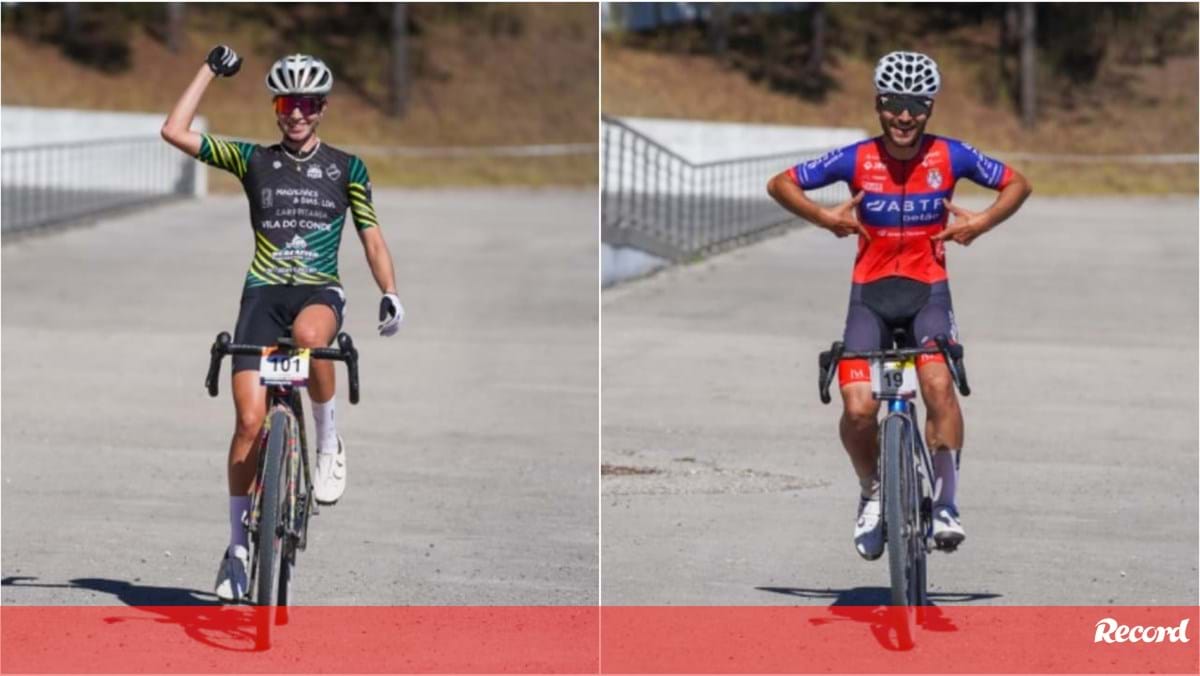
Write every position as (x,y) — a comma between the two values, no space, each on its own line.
(915,105)
(308,105)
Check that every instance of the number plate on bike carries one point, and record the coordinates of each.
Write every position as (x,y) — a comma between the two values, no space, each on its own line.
(893,378)
(282,367)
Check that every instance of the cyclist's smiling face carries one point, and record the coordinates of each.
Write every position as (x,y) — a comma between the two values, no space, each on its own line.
(298,127)
(903,128)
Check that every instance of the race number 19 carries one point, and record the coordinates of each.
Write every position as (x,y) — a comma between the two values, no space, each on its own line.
(893,378)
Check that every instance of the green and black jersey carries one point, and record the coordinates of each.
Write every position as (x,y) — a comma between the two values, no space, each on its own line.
(297,207)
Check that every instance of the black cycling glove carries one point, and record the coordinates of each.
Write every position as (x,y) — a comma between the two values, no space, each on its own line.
(224,61)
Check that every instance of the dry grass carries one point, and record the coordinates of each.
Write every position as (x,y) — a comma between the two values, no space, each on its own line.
(1160,113)
(539,86)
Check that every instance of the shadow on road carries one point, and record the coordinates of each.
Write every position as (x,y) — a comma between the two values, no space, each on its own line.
(872,606)
(200,614)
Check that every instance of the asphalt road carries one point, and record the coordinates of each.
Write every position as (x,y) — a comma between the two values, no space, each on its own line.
(471,458)
(1079,478)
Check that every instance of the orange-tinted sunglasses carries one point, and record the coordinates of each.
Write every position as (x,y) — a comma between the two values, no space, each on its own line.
(308,105)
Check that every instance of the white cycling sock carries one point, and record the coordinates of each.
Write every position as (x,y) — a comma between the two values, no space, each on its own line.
(326,431)
(869,486)
(238,506)
(945,477)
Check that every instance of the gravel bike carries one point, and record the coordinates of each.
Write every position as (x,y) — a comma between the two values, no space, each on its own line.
(905,465)
(281,502)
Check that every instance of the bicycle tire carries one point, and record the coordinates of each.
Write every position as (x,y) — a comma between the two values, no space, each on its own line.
(285,578)
(270,554)
(898,512)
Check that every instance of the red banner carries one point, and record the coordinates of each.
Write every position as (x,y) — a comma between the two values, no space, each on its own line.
(858,639)
(316,639)
(584,640)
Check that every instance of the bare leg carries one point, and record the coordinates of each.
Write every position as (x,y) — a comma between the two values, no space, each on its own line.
(250,401)
(944,421)
(314,327)
(859,429)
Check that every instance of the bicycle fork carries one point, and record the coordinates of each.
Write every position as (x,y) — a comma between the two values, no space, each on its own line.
(900,408)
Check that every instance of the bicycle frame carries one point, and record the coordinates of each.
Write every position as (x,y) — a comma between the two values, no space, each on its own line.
(299,505)
(900,406)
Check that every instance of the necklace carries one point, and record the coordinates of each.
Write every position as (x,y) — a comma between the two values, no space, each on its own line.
(312,153)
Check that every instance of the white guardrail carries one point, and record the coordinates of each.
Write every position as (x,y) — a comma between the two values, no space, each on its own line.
(59,165)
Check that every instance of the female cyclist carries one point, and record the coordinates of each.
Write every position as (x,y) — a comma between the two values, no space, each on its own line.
(299,190)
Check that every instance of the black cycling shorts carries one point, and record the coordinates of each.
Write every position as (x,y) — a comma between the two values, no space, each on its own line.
(267,312)
(877,308)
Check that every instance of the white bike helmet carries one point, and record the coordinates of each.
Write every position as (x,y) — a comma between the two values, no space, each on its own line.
(909,73)
(299,74)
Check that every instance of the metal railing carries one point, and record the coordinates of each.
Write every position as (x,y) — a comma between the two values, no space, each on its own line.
(655,200)
(52,183)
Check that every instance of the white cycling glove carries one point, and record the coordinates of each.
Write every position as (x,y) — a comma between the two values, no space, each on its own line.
(391,313)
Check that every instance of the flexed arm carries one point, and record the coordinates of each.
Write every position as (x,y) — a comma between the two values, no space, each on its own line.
(177,130)
(841,220)
(969,225)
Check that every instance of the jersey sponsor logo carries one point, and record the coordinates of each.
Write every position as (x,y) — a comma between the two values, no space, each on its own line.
(871,164)
(915,211)
(333,172)
(302,196)
(295,250)
(287,271)
(284,212)
(823,162)
(292,223)
(934,179)
(988,169)
(276,164)
(267,198)
(876,186)
(315,172)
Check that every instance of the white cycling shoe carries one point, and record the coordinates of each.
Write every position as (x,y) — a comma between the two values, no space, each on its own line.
(948,532)
(232,581)
(868,528)
(329,481)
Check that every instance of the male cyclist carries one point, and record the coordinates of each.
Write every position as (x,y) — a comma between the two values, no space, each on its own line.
(299,190)
(901,182)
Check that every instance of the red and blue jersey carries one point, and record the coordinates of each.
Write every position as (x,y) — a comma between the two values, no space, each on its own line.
(902,201)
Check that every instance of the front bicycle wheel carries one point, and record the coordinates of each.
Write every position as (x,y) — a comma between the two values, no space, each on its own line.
(271,528)
(900,517)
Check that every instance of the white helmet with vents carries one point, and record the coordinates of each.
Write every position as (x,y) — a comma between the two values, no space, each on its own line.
(910,73)
(299,74)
